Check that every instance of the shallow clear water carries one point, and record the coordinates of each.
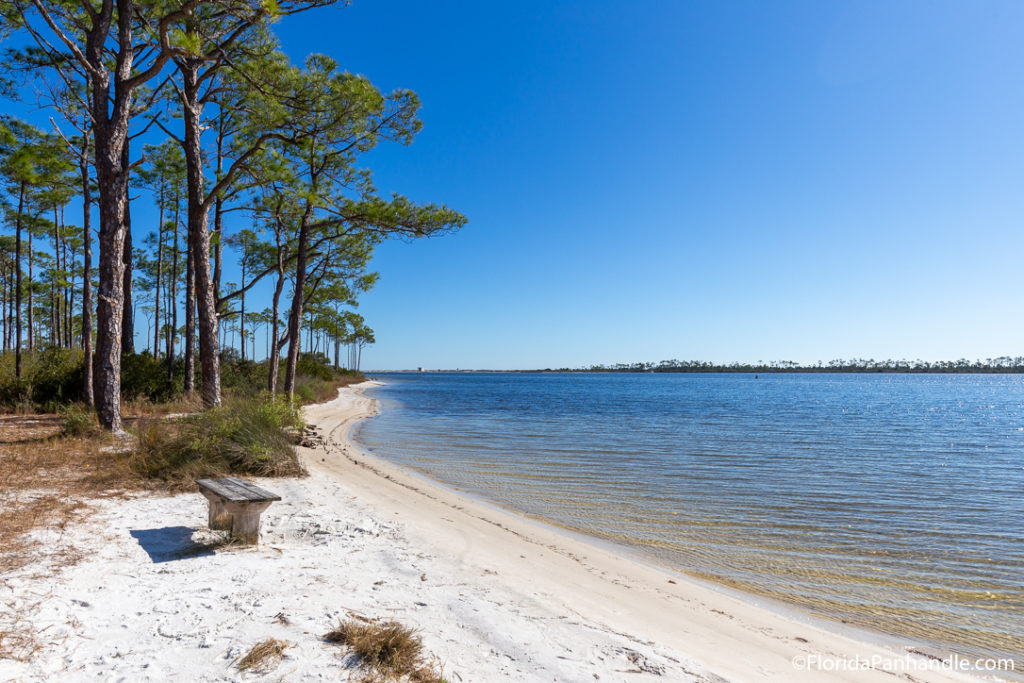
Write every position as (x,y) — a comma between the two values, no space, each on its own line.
(894,502)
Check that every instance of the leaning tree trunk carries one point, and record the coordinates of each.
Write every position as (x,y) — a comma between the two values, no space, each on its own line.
(199,237)
(274,352)
(295,316)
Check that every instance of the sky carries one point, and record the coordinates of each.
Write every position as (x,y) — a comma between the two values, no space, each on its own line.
(728,181)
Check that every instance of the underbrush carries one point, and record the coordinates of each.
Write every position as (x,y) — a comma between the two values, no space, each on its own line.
(52,379)
(48,379)
(79,420)
(244,436)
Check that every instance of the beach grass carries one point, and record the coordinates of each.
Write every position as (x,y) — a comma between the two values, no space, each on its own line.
(264,656)
(388,649)
(247,435)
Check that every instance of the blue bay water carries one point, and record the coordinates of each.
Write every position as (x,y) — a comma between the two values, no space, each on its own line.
(893,502)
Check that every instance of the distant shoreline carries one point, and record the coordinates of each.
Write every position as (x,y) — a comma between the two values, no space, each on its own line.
(718,370)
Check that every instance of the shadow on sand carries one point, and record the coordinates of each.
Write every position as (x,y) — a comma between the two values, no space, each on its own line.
(173,543)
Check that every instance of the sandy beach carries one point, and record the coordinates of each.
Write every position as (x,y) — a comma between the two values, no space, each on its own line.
(495,596)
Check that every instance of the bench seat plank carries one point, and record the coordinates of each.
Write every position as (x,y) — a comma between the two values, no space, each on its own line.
(234,490)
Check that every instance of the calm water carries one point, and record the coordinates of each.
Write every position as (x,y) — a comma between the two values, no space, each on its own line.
(894,502)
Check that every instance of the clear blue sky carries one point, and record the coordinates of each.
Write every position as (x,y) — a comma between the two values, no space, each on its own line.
(724,181)
(719,180)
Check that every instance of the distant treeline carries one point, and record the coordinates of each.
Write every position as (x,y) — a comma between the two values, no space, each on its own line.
(989,365)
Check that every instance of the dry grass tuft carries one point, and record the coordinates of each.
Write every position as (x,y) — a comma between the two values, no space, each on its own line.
(18,640)
(264,656)
(390,650)
(46,480)
(144,408)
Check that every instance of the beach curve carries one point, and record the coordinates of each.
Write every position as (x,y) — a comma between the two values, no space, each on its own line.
(721,636)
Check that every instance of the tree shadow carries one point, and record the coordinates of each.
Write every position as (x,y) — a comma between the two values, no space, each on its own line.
(175,543)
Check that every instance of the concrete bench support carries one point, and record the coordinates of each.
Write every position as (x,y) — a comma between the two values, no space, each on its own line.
(236,506)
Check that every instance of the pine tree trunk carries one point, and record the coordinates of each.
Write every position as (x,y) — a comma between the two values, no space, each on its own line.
(295,316)
(199,238)
(63,291)
(159,275)
(218,211)
(31,317)
(17,283)
(190,323)
(172,302)
(110,297)
(87,376)
(69,288)
(127,311)
(3,305)
(241,319)
(274,350)
(55,309)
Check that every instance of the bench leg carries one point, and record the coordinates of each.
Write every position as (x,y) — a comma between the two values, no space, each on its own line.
(220,518)
(245,521)
(220,515)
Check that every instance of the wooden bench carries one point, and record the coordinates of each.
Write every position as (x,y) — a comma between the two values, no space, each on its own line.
(236,505)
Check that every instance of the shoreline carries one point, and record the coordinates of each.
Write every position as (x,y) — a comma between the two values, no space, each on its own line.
(634,554)
(493,595)
(709,624)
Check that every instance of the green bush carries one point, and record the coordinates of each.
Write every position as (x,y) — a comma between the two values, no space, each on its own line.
(244,436)
(50,378)
(145,377)
(244,377)
(314,365)
(79,420)
(56,377)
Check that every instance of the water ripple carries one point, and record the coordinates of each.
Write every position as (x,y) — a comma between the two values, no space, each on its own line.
(889,501)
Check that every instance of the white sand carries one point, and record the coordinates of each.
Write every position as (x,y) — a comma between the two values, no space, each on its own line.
(495,596)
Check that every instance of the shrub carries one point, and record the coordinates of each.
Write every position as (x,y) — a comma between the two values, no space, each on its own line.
(79,420)
(145,377)
(243,376)
(314,365)
(56,377)
(50,378)
(244,436)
